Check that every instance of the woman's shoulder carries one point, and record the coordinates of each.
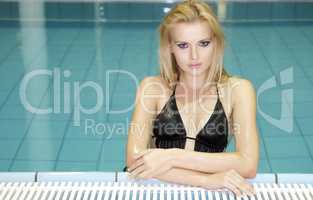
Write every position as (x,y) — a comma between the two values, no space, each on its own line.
(154,84)
(240,87)
(236,83)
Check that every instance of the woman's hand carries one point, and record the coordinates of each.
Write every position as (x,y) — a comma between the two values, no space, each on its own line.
(231,180)
(151,163)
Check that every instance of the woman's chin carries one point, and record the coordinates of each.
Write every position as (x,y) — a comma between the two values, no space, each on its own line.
(197,72)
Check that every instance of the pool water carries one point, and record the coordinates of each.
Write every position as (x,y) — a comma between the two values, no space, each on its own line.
(68,86)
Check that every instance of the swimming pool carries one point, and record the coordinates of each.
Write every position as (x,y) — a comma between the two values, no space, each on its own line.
(51,52)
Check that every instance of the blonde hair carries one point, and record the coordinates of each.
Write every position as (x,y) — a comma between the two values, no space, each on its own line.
(190,11)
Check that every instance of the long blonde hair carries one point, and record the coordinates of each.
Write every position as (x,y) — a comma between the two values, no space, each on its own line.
(190,11)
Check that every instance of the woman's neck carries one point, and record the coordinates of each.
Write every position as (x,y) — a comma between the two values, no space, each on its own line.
(195,84)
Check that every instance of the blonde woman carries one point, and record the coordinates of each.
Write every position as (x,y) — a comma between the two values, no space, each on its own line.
(184,118)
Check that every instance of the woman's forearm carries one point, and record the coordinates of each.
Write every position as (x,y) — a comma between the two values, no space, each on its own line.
(186,177)
(212,162)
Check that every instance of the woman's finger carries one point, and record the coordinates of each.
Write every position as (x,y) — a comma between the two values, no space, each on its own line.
(137,163)
(142,153)
(233,188)
(145,174)
(242,186)
(137,171)
(248,186)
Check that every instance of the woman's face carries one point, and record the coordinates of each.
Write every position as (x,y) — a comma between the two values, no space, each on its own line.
(192,46)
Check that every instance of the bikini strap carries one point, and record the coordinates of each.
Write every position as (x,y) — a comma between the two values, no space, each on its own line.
(173,94)
(217,91)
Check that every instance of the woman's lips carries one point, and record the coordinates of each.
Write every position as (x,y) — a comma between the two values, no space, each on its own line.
(195,66)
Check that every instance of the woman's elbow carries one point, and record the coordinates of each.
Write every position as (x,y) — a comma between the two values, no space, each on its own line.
(250,171)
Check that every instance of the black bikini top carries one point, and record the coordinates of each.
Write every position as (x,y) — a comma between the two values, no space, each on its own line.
(169,130)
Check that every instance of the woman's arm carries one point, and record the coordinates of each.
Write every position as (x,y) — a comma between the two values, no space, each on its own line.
(139,132)
(229,179)
(245,159)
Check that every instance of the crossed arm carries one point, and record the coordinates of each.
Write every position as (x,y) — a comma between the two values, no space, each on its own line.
(196,168)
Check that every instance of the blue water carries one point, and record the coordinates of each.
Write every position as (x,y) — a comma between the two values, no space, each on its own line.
(73,54)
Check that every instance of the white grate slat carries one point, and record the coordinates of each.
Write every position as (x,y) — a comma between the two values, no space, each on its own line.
(136,190)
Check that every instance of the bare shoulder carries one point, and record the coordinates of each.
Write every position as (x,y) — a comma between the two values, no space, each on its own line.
(239,84)
(154,85)
(241,88)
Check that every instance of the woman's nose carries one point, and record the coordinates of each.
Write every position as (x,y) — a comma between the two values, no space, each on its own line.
(194,53)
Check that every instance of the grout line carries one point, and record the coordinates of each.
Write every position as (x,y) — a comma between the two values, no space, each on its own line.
(110,103)
(295,118)
(274,74)
(71,115)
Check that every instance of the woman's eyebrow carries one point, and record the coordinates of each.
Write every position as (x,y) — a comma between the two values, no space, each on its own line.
(207,38)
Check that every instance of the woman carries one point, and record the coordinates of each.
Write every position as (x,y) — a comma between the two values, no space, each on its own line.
(184,118)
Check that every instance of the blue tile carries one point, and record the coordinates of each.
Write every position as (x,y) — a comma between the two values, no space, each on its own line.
(4,165)
(303,95)
(111,166)
(15,10)
(304,10)
(303,83)
(46,129)
(141,11)
(89,11)
(264,166)
(135,55)
(32,166)
(236,10)
(274,110)
(5,9)
(158,10)
(271,129)
(259,10)
(8,83)
(301,109)
(122,102)
(52,116)
(126,87)
(13,129)
(113,150)
(91,128)
(52,10)
(80,150)
(70,10)
(271,98)
(309,141)
(39,149)
(76,61)
(8,148)
(292,165)
(120,118)
(13,97)
(286,147)
(76,166)
(15,112)
(117,11)
(305,125)
(283,10)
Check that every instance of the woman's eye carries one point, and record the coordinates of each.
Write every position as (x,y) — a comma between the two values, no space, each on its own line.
(204,43)
(182,45)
